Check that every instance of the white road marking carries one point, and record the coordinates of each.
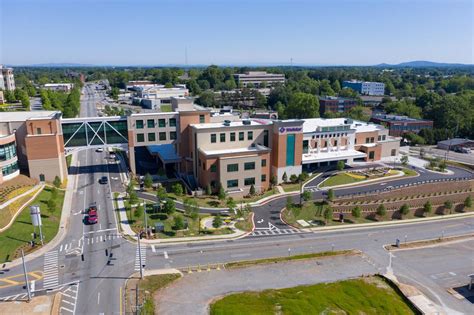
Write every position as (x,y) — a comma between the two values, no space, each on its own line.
(33,282)
(98,298)
(165,254)
(61,247)
(153,249)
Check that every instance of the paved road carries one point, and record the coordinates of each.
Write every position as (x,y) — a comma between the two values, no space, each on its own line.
(451,155)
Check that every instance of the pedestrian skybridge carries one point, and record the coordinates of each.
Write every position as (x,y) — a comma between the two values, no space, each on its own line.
(94,132)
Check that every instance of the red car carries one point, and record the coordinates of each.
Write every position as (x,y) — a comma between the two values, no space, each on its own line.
(92,215)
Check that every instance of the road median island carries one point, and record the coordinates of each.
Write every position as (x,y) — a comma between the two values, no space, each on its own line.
(349,179)
(429,242)
(147,288)
(273,260)
(353,296)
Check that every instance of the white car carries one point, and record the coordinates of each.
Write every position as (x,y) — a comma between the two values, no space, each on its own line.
(99,150)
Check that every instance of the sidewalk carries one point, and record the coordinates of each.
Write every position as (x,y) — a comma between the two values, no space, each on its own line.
(124,223)
(65,214)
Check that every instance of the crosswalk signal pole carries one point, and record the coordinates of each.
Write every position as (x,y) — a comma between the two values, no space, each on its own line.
(140,256)
(26,276)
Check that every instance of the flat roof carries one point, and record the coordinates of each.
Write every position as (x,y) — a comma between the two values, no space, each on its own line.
(397,118)
(311,124)
(251,149)
(166,152)
(231,124)
(23,116)
(331,156)
(362,126)
(455,141)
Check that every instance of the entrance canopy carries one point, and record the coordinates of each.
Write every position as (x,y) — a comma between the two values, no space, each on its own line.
(166,152)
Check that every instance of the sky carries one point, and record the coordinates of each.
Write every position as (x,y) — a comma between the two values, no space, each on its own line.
(224,32)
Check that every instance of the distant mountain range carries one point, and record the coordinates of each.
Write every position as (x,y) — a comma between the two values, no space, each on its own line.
(409,64)
(423,64)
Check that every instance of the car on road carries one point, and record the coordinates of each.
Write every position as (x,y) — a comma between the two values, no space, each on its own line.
(99,150)
(92,215)
(103,180)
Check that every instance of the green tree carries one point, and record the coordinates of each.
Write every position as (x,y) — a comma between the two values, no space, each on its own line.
(284,178)
(230,203)
(293,178)
(340,165)
(148,181)
(336,86)
(130,188)
(114,93)
(381,211)
(57,182)
(161,193)
(302,105)
(217,221)
(404,160)
(358,113)
(404,210)
(427,207)
(51,204)
(178,222)
(328,215)
(138,211)
(306,195)
(133,198)
(330,195)
(207,99)
(191,208)
(221,193)
(442,166)
(289,202)
(169,207)
(208,190)
(468,202)
(252,190)
(177,189)
(356,212)
(448,205)
(273,181)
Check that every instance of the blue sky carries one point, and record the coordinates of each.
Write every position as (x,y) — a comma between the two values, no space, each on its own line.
(350,32)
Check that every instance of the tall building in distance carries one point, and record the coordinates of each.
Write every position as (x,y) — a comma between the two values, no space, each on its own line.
(365,88)
(7,80)
(259,78)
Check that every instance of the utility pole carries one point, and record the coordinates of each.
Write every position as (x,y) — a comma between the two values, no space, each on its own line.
(137,292)
(26,276)
(140,256)
(146,218)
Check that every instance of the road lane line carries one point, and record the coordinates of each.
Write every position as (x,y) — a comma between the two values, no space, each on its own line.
(165,254)
(61,247)
(98,298)
(153,249)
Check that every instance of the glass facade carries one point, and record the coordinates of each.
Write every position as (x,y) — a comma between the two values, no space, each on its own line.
(290,150)
(95,133)
(232,167)
(249,181)
(161,123)
(305,146)
(7,151)
(172,135)
(249,166)
(151,136)
(139,124)
(150,123)
(232,183)
(9,169)
(172,122)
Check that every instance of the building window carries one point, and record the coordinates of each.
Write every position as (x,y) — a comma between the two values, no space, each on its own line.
(161,123)
(393,152)
(232,136)
(151,136)
(172,135)
(264,178)
(213,138)
(290,150)
(7,151)
(232,183)
(162,136)
(150,123)
(372,140)
(213,184)
(250,135)
(140,137)
(379,138)
(305,146)
(201,119)
(367,140)
(213,168)
(172,122)
(265,138)
(335,143)
(249,166)
(139,124)
(38,131)
(384,137)
(371,155)
(9,169)
(232,168)
(355,141)
(249,181)
(264,162)
(241,136)
(222,137)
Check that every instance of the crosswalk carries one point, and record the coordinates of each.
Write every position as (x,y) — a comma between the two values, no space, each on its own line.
(137,257)
(15,297)
(269,232)
(94,239)
(69,299)
(51,269)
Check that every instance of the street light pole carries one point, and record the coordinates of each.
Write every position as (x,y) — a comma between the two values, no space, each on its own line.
(140,256)
(26,276)
(301,192)
(146,218)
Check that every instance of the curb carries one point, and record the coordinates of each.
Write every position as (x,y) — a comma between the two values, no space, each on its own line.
(366,182)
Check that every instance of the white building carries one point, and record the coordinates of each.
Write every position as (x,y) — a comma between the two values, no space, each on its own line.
(7,79)
(61,87)
(152,97)
(365,88)
(256,78)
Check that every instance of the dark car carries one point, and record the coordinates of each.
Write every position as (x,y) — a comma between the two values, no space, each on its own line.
(92,215)
(103,180)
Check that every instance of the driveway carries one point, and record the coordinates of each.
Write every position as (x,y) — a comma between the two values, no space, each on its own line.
(193,293)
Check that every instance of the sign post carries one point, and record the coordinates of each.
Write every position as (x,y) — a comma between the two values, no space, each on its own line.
(35,214)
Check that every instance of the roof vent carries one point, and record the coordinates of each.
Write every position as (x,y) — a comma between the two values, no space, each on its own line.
(227,123)
(246,122)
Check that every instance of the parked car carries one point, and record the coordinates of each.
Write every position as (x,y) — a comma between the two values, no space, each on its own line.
(92,215)
(103,180)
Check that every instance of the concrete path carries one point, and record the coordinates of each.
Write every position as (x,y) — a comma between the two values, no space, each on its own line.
(124,223)
(193,293)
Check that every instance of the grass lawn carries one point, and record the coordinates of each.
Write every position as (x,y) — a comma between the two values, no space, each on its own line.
(372,295)
(19,234)
(347,178)
(246,224)
(137,221)
(149,284)
(69,160)
(409,172)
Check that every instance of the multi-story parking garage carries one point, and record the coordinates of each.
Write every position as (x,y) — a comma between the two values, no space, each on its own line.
(192,142)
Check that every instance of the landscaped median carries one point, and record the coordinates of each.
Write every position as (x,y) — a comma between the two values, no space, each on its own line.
(19,234)
(348,178)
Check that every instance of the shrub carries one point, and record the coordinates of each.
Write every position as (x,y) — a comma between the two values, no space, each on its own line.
(273,180)
(169,206)
(221,193)
(284,178)
(252,190)
(57,182)
(381,211)
(303,176)
(306,195)
(330,195)
(178,222)
(51,205)
(289,202)
(293,178)
(356,212)
(161,193)
(177,189)
(427,207)
(340,165)
(448,205)
(54,193)
(404,209)
(328,214)
(468,202)
(217,222)
(148,181)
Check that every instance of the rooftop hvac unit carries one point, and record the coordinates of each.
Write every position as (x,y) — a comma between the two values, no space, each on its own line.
(246,122)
